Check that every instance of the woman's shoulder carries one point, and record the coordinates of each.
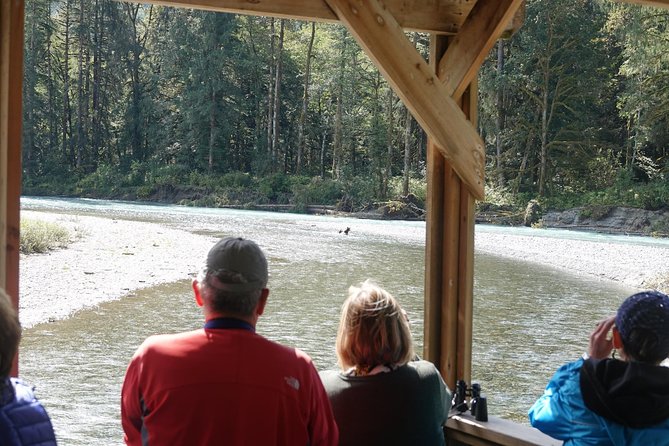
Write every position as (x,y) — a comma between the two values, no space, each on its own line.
(423,367)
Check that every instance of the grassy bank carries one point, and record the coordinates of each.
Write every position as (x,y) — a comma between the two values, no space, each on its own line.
(41,236)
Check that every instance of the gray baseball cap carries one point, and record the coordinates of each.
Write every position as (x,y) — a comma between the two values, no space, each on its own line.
(237,264)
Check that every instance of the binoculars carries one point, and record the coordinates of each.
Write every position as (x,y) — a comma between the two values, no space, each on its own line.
(478,405)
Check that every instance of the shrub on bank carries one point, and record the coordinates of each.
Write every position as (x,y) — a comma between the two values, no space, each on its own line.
(417,186)
(40,236)
(626,191)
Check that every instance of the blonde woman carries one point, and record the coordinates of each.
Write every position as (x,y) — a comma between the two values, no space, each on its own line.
(380,396)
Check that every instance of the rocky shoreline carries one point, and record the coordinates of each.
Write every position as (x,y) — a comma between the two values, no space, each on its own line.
(111,258)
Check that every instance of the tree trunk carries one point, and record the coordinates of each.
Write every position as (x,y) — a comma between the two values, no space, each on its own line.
(80,143)
(277,96)
(499,121)
(323,139)
(543,158)
(212,129)
(388,168)
(523,164)
(29,83)
(270,89)
(337,138)
(51,89)
(96,130)
(407,142)
(134,64)
(347,140)
(408,120)
(336,142)
(305,102)
(65,117)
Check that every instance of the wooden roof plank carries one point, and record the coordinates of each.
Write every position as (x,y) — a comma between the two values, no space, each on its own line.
(436,16)
(382,38)
(464,56)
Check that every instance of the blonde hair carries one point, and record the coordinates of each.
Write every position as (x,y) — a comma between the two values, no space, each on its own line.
(373,329)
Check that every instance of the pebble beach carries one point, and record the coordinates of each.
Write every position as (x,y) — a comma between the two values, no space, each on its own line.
(109,258)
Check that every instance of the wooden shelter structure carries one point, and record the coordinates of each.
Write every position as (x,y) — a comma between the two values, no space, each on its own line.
(441,95)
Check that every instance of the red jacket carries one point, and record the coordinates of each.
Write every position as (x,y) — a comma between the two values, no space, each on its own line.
(223,386)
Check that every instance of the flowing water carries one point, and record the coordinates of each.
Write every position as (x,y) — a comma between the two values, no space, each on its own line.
(523,328)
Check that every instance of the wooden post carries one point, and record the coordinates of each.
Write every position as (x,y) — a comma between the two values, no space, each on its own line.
(467,219)
(436,166)
(11,76)
(449,262)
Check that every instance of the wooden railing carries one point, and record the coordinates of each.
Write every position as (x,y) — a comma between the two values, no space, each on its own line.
(463,429)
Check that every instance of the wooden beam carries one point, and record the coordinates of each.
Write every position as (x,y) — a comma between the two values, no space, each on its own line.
(449,260)
(11,76)
(464,429)
(437,16)
(450,277)
(379,34)
(467,220)
(434,234)
(484,25)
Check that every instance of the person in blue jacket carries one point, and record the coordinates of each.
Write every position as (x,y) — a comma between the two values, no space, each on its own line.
(599,400)
(23,420)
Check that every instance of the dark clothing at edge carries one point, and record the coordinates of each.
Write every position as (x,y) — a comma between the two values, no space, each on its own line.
(23,420)
(605,402)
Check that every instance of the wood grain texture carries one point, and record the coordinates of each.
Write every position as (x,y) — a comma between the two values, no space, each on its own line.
(11,79)
(484,25)
(436,16)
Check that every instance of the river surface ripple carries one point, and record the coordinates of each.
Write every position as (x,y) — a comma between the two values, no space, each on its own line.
(528,319)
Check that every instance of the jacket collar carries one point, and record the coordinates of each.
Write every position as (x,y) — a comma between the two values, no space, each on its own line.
(633,394)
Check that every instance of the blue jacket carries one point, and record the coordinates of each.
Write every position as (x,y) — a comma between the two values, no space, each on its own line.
(626,392)
(23,420)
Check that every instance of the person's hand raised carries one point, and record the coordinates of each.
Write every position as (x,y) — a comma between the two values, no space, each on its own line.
(601,342)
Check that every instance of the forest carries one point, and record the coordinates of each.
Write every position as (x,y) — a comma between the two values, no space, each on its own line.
(132,101)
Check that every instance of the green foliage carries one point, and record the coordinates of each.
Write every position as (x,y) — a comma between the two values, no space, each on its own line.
(498,196)
(179,105)
(625,191)
(276,188)
(359,191)
(105,181)
(317,191)
(41,236)
(50,185)
(417,186)
(170,174)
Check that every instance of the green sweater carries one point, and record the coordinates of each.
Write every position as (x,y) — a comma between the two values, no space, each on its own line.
(407,406)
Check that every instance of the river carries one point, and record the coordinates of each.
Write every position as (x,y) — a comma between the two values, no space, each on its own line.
(523,328)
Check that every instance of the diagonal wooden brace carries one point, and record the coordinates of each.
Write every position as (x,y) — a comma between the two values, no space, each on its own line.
(465,54)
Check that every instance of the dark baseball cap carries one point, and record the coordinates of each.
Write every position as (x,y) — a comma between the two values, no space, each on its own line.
(238,265)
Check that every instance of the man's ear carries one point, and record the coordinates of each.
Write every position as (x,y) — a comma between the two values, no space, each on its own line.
(196,291)
(617,339)
(260,309)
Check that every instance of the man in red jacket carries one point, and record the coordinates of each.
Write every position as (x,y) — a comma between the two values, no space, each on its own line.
(223,383)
